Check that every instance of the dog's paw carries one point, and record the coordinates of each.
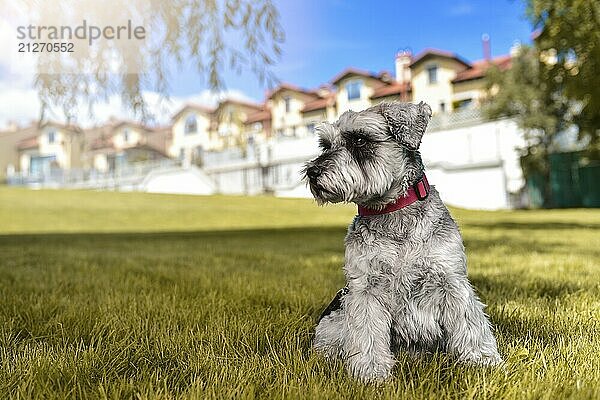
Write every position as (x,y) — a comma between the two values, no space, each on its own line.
(492,360)
(486,360)
(369,371)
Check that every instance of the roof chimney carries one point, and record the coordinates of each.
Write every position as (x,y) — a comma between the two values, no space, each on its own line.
(485,40)
(403,59)
(324,90)
(515,49)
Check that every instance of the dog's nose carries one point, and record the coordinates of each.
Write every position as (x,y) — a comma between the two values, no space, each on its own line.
(313,172)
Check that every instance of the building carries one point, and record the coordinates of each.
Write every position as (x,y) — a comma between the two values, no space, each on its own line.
(190,132)
(228,127)
(446,81)
(119,143)
(196,129)
(9,154)
(245,147)
(50,147)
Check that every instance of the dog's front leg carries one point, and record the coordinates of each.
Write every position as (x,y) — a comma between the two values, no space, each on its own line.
(469,331)
(368,336)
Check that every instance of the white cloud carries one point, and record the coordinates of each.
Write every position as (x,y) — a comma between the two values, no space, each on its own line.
(19,104)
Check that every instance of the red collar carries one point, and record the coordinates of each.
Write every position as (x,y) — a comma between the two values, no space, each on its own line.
(419,191)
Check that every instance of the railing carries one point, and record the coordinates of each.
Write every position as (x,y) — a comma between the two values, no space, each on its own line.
(456,119)
(127,174)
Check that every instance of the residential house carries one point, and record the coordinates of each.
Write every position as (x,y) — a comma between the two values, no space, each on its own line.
(9,155)
(228,124)
(257,126)
(318,110)
(432,72)
(190,134)
(116,145)
(286,103)
(469,87)
(354,88)
(446,81)
(51,146)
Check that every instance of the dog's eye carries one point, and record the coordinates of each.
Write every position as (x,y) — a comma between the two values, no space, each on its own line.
(360,141)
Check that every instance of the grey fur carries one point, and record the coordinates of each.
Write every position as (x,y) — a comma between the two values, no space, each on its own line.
(406,270)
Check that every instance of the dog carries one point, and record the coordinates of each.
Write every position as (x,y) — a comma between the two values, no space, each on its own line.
(405,265)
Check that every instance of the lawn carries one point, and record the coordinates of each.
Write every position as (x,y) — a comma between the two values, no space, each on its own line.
(129,295)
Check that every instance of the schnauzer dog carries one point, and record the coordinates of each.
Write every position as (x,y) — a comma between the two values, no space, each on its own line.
(405,264)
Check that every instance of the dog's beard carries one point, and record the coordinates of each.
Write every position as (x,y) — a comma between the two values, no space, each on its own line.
(323,194)
(367,183)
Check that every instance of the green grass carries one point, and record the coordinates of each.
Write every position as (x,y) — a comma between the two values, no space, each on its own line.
(113,295)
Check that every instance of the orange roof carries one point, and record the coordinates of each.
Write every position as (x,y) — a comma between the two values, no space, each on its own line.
(241,103)
(28,143)
(102,142)
(479,68)
(195,107)
(359,72)
(319,104)
(292,88)
(258,116)
(437,53)
(390,90)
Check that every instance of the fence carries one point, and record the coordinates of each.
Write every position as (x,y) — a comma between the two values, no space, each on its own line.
(127,176)
(573,182)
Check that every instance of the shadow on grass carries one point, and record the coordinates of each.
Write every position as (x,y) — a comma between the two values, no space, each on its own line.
(304,239)
(549,226)
(507,287)
(512,246)
(245,232)
(319,240)
(541,330)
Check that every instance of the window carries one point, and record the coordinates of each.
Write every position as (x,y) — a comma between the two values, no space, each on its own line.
(191,125)
(126,136)
(462,104)
(432,74)
(353,89)
(288,103)
(51,137)
(310,128)
(442,106)
(41,165)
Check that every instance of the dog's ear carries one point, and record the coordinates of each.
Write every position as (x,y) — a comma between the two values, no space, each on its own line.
(406,122)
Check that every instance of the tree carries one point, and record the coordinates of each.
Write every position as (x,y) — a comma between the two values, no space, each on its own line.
(210,35)
(527,93)
(569,31)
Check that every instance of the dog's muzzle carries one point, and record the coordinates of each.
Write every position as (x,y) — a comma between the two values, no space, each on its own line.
(313,173)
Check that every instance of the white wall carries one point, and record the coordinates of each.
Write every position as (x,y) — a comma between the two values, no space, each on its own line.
(459,155)
(178,181)
(479,187)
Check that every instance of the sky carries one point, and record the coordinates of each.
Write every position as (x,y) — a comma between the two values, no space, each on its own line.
(322,38)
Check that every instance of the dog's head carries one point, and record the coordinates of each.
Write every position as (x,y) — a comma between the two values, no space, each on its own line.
(369,157)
